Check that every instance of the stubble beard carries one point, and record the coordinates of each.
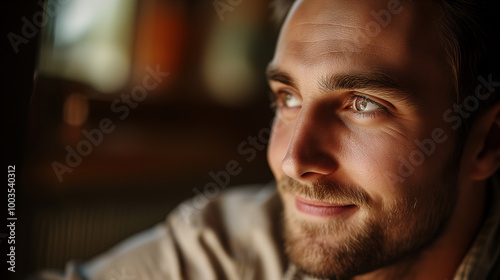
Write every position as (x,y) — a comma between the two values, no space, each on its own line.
(341,249)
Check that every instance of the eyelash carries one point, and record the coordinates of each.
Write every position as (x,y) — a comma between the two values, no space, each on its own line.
(372,114)
(275,99)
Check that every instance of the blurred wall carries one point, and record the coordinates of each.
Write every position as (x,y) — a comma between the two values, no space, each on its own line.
(135,103)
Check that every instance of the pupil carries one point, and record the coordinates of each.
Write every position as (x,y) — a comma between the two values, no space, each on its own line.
(362,105)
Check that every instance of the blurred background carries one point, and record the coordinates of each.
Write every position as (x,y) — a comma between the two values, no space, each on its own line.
(91,59)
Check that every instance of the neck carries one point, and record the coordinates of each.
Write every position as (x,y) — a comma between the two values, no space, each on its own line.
(441,258)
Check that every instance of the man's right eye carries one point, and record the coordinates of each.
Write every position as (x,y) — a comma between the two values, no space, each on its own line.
(288,100)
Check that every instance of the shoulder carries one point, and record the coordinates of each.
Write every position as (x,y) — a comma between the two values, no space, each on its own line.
(237,230)
(217,237)
(234,213)
(253,202)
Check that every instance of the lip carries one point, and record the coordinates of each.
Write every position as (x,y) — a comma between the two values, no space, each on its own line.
(321,209)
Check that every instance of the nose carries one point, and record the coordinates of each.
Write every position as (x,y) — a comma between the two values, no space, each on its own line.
(310,152)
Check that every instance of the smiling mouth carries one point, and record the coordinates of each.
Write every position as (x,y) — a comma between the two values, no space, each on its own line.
(321,209)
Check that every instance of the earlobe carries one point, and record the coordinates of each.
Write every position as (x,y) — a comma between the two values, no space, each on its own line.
(485,141)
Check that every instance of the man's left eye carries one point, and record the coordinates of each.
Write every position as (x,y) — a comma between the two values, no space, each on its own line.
(363,104)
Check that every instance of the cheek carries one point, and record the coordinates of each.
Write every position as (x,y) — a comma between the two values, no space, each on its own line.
(278,145)
(371,160)
(386,163)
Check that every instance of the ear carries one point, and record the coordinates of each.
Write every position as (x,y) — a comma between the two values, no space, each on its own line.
(484,144)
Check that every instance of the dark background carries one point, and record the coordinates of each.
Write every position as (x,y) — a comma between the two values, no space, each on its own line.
(188,126)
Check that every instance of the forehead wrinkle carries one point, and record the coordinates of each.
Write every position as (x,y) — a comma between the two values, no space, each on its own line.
(308,32)
(318,56)
(325,38)
(351,43)
(312,42)
(349,53)
(328,24)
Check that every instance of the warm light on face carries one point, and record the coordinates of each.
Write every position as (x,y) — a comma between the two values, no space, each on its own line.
(346,116)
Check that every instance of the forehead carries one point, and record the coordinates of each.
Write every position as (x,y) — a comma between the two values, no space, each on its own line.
(344,35)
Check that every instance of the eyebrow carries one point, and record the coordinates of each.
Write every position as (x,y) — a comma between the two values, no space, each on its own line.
(282,77)
(381,83)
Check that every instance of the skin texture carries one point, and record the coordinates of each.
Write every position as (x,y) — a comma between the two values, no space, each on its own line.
(343,141)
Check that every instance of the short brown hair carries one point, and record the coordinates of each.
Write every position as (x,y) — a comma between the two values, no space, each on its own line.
(471,43)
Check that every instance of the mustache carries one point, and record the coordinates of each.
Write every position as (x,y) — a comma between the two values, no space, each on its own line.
(330,192)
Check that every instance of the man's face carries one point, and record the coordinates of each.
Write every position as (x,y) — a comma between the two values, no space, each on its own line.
(360,85)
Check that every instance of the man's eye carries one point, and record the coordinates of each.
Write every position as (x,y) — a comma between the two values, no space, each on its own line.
(289,100)
(363,104)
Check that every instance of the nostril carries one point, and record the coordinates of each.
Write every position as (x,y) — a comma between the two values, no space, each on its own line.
(304,167)
(307,175)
